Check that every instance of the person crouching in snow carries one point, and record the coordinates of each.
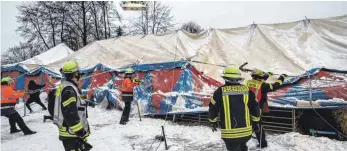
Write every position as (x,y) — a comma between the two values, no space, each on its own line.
(8,101)
(236,105)
(127,93)
(35,95)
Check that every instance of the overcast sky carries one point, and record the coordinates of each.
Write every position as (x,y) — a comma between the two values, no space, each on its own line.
(208,14)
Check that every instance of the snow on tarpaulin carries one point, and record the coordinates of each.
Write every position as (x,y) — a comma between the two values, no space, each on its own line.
(172,87)
(13,67)
(291,48)
(166,87)
(35,68)
(327,84)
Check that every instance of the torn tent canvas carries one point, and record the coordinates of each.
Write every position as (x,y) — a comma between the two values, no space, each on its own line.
(327,84)
(166,88)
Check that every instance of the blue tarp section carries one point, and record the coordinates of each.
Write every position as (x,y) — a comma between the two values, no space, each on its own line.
(144,93)
(15,67)
(86,82)
(20,82)
(106,92)
(158,66)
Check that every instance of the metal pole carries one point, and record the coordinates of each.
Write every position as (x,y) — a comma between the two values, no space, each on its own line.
(25,113)
(138,109)
(166,148)
(294,120)
(310,89)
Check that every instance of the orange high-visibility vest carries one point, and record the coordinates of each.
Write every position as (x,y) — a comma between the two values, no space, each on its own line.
(8,95)
(128,85)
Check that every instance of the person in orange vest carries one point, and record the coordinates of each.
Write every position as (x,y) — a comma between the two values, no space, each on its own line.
(127,90)
(260,88)
(8,101)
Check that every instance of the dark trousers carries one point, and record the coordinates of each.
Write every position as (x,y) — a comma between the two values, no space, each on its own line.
(16,118)
(36,100)
(261,134)
(126,112)
(235,146)
(75,144)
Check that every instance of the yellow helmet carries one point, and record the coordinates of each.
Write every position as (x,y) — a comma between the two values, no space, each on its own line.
(8,80)
(258,73)
(70,66)
(129,70)
(232,72)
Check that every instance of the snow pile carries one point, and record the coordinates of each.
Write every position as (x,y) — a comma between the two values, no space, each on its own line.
(108,135)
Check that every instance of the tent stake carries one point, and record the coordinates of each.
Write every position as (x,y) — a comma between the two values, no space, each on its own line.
(166,148)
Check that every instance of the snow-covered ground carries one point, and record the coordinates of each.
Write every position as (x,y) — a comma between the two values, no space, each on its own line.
(108,135)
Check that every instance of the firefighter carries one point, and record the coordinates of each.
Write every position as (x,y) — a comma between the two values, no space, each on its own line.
(127,90)
(8,101)
(260,88)
(236,106)
(35,96)
(70,110)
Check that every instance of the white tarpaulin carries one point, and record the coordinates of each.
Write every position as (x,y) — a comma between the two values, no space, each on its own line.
(281,48)
(54,54)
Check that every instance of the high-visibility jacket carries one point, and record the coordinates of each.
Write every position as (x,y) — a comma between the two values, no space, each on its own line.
(70,110)
(260,88)
(128,85)
(9,96)
(237,107)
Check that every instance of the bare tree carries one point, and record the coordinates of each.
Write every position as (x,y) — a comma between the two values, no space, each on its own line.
(155,19)
(44,24)
(192,27)
(20,53)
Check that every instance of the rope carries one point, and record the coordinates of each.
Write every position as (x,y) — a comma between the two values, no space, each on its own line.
(310,96)
(208,63)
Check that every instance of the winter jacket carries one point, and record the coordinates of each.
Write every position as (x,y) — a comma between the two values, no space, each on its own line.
(51,99)
(128,85)
(70,107)
(9,99)
(237,107)
(32,86)
(261,88)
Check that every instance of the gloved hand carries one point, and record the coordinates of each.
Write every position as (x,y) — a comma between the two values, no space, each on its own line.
(256,126)
(284,75)
(270,73)
(214,126)
(82,133)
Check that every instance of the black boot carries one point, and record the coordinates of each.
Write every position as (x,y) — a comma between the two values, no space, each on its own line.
(15,131)
(123,121)
(263,145)
(30,133)
(45,117)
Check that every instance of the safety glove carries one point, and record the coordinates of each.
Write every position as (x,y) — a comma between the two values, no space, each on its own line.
(284,75)
(82,133)
(213,126)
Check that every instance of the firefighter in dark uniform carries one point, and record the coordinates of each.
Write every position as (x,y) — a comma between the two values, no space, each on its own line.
(236,105)
(127,90)
(8,101)
(70,110)
(260,88)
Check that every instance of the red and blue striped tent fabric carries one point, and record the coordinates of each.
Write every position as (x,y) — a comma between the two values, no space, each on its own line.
(326,84)
(167,87)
